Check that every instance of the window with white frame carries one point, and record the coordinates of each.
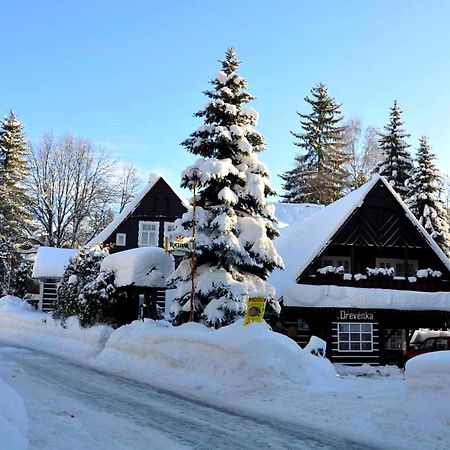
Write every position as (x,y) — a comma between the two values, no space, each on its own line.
(355,337)
(148,234)
(336,261)
(398,265)
(121,239)
(168,228)
(396,340)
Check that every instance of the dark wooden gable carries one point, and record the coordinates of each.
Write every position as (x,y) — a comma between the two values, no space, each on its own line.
(378,228)
(161,204)
(380,222)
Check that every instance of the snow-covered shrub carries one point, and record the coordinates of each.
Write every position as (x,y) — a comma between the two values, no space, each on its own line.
(428,273)
(101,302)
(15,272)
(81,270)
(20,279)
(380,272)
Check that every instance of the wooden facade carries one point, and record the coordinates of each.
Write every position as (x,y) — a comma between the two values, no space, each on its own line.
(159,205)
(378,233)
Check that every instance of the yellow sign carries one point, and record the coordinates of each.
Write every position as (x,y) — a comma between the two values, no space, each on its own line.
(255,310)
(178,247)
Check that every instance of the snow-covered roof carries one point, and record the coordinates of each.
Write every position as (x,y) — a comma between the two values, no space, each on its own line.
(289,214)
(143,267)
(328,296)
(51,262)
(129,209)
(300,243)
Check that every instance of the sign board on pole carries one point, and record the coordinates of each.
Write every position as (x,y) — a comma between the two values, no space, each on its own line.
(255,310)
(178,246)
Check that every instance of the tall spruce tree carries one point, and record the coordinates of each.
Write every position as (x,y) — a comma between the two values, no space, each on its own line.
(397,165)
(234,224)
(425,202)
(13,172)
(319,175)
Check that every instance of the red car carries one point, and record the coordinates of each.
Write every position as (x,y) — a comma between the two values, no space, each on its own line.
(431,344)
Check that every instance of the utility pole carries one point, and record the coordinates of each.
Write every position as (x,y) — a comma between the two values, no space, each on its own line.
(195,179)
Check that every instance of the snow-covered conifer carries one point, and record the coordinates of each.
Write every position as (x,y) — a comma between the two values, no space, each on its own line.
(13,172)
(81,270)
(234,224)
(319,175)
(101,302)
(425,202)
(20,277)
(397,165)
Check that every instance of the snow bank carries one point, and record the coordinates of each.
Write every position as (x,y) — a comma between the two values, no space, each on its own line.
(13,420)
(430,371)
(242,358)
(366,370)
(144,267)
(238,357)
(428,392)
(51,262)
(327,296)
(38,330)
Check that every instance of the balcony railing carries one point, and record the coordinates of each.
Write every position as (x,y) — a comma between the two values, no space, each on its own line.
(421,285)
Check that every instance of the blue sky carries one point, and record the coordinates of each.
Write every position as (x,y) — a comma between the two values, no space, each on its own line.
(130,75)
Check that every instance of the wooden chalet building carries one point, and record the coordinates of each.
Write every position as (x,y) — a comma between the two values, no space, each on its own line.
(145,220)
(363,275)
(143,223)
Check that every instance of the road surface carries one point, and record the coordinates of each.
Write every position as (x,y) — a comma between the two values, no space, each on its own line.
(74,407)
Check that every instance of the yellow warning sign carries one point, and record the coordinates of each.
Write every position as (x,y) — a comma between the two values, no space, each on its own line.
(255,310)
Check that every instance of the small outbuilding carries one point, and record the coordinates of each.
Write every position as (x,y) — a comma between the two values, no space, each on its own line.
(142,274)
(48,269)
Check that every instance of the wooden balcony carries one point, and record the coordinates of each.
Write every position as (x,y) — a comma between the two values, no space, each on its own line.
(381,282)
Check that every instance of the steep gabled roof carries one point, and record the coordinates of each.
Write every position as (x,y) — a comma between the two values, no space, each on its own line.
(300,245)
(130,208)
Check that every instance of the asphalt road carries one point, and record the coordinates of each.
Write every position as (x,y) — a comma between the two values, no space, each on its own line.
(75,407)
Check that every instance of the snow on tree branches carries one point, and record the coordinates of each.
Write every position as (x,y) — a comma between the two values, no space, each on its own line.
(234,224)
(13,172)
(397,165)
(319,175)
(88,293)
(425,202)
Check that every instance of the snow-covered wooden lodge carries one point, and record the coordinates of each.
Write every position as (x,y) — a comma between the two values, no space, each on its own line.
(145,220)
(362,274)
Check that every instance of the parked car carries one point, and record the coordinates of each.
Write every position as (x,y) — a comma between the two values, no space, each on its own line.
(431,344)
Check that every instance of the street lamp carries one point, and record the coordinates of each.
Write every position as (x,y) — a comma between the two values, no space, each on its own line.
(195,178)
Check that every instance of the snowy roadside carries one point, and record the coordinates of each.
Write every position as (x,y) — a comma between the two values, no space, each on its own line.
(249,369)
(13,420)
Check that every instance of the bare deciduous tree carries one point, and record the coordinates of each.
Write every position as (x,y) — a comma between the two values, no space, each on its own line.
(70,188)
(364,151)
(129,184)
